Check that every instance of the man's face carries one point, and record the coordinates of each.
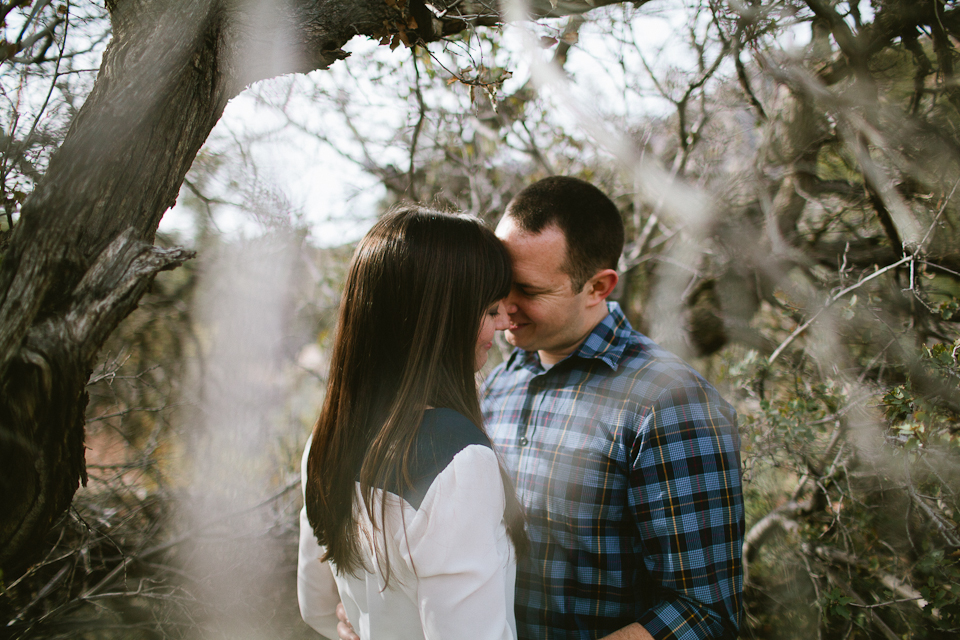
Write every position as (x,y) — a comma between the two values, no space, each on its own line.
(545,313)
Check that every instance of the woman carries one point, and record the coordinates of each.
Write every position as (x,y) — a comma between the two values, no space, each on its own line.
(409,518)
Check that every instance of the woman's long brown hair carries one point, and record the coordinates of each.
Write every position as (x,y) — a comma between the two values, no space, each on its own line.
(417,288)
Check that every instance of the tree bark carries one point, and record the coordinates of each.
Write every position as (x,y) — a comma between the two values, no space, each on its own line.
(82,253)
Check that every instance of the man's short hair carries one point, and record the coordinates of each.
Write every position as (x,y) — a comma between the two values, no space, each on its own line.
(589,220)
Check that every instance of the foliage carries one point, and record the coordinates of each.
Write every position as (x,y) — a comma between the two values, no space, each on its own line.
(106,564)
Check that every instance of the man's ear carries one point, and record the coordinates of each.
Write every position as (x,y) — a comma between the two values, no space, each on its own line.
(600,286)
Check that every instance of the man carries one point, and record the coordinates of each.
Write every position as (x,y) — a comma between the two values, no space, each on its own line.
(625,459)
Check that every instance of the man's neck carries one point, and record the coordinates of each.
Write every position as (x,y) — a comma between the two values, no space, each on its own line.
(550,358)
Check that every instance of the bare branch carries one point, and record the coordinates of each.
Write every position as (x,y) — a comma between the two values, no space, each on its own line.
(831,300)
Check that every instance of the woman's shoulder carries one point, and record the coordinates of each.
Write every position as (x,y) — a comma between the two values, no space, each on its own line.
(443,434)
(447,431)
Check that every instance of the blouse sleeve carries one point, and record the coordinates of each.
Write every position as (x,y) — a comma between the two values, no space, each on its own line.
(458,548)
(316,588)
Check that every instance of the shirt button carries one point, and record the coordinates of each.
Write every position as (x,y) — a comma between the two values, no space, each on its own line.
(523,441)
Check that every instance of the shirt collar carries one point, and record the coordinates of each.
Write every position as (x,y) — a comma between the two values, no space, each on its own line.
(607,340)
(606,343)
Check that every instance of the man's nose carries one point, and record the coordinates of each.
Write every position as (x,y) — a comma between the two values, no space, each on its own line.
(509,305)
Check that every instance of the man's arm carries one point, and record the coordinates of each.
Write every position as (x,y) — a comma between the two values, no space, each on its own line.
(687,501)
(633,632)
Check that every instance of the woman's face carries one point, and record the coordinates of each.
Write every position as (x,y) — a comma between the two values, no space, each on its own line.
(494,319)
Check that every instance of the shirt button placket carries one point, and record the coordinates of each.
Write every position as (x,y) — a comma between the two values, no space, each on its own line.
(525,420)
(534,415)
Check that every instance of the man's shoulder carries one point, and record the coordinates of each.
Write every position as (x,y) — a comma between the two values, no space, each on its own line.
(647,373)
(629,353)
(642,357)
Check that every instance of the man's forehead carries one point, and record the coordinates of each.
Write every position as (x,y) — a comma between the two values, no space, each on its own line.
(509,227)
(507,223)
(537,258)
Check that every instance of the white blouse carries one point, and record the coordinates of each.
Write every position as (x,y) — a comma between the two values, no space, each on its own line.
(451,574)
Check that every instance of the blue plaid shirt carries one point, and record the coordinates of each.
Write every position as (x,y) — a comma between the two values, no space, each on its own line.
(627,463)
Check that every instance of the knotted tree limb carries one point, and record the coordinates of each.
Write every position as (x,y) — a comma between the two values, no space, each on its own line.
(44,393)
(780,519)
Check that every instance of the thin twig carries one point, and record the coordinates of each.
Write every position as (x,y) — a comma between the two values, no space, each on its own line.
(877,621)
(884,604)
(832,299)
(936,218)
(422,109)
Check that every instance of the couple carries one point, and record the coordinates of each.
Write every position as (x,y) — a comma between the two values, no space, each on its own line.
(629,522)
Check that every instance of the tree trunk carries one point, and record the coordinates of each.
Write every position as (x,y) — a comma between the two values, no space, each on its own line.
(82,253)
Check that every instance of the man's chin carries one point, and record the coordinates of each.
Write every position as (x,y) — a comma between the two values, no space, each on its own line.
(515,340)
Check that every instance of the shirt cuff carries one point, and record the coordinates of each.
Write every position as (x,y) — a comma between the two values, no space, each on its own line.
(683,620)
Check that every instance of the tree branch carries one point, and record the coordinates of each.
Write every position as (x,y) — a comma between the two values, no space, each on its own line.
(830,301)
